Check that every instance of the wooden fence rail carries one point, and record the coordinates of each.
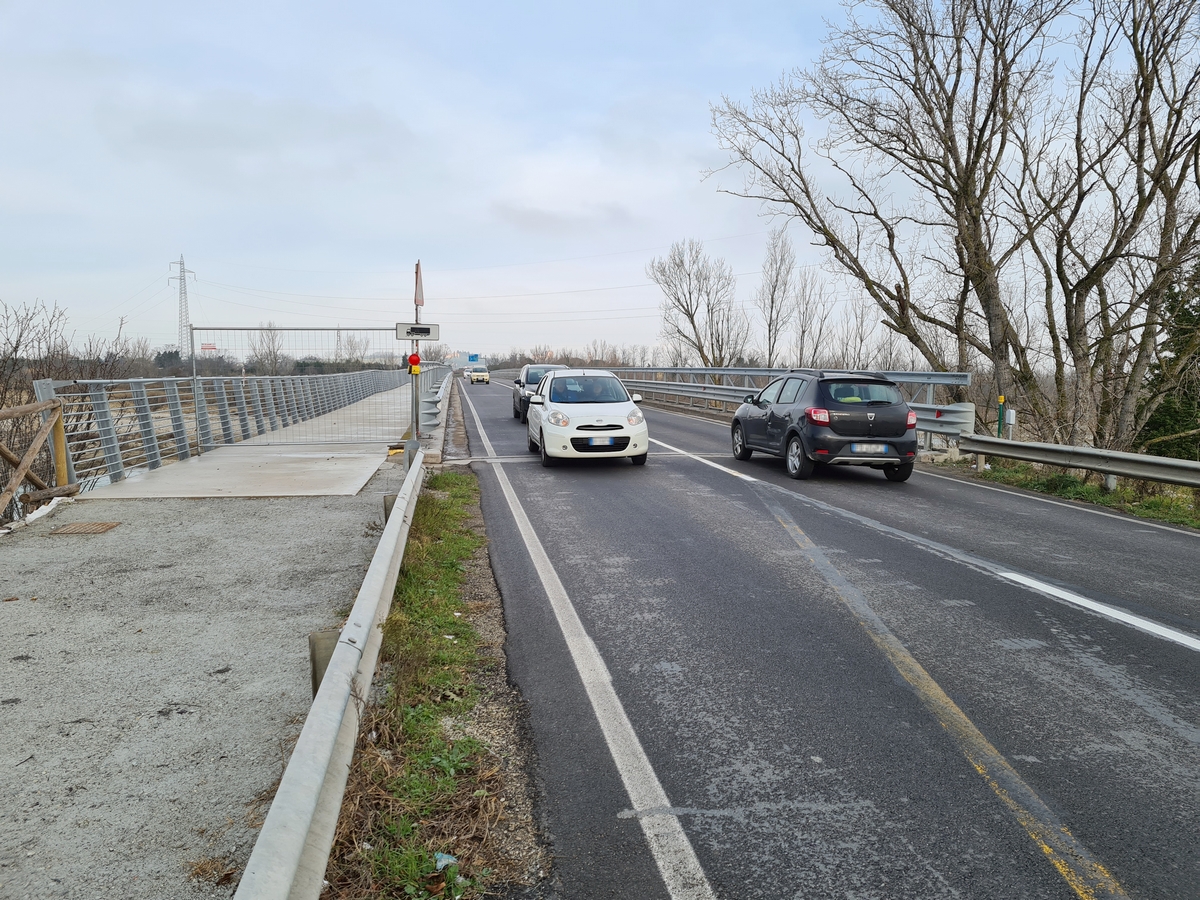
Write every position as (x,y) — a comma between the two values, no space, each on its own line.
(53,425)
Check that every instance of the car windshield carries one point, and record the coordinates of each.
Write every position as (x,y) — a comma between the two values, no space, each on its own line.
(533,376)
(587,389)
(479,369)
(874,392)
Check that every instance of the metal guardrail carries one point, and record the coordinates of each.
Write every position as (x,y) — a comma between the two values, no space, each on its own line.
(754,379)
(115,426)
(292,850)
(944,420)
(1109,462)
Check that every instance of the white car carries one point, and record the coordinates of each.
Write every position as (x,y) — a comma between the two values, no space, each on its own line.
(586,414)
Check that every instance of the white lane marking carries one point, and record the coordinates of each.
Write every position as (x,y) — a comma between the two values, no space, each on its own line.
(991,487)
(1148,626)
(707,462)
(669,844)
(1109,612)
(1078,508)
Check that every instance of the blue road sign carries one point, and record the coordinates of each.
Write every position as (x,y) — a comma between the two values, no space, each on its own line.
(472,357)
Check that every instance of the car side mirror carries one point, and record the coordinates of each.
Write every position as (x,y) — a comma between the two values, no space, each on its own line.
(749,398)
(636,398)
(516,381)
(537,400)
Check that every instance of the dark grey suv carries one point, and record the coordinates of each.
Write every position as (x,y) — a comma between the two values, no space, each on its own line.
(526,384)
(829,418)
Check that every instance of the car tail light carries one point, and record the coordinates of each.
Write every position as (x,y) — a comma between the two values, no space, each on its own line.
(912,418)
(818,416)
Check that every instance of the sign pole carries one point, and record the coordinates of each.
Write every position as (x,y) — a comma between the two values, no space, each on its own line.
(418,302)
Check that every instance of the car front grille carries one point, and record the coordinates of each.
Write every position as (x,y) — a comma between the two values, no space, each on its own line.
(598,428)
(619,443)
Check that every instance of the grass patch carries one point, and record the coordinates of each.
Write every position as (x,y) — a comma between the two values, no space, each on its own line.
(418,796)
(1146,499)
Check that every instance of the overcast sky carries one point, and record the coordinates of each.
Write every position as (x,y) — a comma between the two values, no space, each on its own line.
(303,156)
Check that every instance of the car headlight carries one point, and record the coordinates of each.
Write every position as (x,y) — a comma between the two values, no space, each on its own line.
(635,417)
(557,418)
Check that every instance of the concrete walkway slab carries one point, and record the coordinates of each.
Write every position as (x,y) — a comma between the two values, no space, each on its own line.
(247,470)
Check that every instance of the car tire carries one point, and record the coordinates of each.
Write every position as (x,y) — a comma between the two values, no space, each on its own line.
(898,473)
(797,464)
(516,412)
(639,460)
(524,414)
(533,448)
(548,461)
(740,450)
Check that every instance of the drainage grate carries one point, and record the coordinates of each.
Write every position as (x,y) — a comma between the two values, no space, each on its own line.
(86,528)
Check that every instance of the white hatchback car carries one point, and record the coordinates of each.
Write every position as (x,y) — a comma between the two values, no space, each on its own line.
(586,414)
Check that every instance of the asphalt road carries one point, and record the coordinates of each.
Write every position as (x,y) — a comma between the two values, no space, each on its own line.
(845,687)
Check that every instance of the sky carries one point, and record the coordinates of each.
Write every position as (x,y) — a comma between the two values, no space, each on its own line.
(302,157)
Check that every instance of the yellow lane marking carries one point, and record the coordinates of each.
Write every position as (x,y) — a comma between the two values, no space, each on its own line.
(1086,875)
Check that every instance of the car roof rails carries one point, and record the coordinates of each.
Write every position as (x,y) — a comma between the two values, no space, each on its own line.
(831,373)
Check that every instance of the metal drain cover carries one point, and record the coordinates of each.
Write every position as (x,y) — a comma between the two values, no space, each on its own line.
(86,528)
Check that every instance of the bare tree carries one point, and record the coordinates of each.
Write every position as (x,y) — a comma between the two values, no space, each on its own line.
(699,316)
(812,310)
(354,349)
(267,354)
(976,200)
(774,295)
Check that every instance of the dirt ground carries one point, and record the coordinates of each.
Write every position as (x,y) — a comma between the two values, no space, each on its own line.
(153,678)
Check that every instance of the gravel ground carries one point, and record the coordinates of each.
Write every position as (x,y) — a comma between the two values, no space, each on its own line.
(154,678)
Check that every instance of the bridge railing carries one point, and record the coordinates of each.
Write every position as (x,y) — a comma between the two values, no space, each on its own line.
(116,427)
(723,390)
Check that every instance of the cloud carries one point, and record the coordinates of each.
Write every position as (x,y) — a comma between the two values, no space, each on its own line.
(551,222)
(229,140)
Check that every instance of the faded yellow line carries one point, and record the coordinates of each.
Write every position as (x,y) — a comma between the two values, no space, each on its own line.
(1086,875)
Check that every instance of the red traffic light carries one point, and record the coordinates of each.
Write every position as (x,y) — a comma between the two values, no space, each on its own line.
(414,359)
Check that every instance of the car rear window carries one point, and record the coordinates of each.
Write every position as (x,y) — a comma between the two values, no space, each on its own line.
(533,376)
(587,389)
(876,392)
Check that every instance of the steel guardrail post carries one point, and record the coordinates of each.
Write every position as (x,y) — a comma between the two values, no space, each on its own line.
(243,412)
(223,410)
(43,389)
(203,425)
(107,431)
(141,403)
(178,423)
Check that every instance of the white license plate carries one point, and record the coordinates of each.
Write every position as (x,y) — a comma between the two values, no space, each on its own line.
(600,442)
(875,449)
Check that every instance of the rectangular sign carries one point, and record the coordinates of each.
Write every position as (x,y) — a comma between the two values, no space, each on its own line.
(417,331)
(472,357)
(204,347)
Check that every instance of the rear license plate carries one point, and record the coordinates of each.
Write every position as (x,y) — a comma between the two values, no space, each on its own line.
(876,449)
(600,442)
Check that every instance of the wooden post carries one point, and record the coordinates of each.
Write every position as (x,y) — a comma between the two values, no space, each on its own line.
(62,474)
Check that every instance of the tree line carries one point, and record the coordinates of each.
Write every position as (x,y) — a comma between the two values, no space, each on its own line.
(1014,187)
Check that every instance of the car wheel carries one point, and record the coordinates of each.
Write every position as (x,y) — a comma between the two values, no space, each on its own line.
(639,460)
(898,473)
(548,461)
(798,465)
(740,450)
(516,411)
(524,414)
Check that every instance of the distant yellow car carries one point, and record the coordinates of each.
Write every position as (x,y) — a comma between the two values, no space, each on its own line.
(480,375)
